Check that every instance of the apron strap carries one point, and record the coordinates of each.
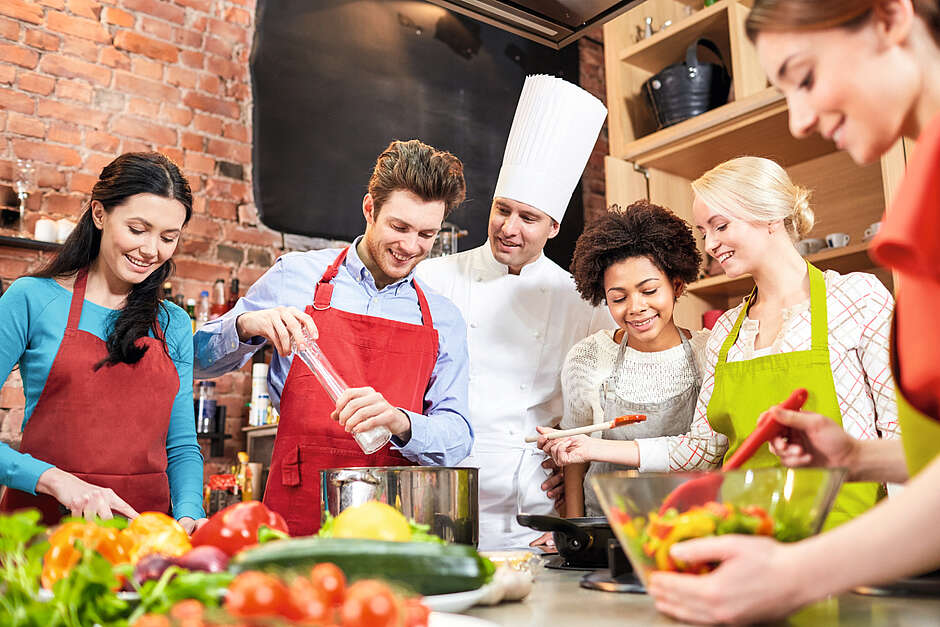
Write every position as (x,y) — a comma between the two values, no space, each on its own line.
(423,303)
(78,299)
(818,311)
(324,291)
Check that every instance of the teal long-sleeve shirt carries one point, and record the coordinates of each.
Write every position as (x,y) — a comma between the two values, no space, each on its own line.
(33,316)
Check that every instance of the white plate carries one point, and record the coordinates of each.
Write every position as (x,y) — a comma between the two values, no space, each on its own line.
(439,619)
(455,601)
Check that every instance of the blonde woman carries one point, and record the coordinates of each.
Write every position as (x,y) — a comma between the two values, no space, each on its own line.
(800,327)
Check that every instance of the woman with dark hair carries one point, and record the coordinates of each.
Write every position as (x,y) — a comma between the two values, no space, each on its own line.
(638,260)
(864,74)
(106,364)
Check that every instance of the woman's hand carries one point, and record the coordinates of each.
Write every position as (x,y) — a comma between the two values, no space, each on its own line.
(575,449)
(279,325)
(812,440)
(82,499)
(192,524)
(758,579)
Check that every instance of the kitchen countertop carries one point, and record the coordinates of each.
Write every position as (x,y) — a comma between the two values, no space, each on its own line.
(558,599)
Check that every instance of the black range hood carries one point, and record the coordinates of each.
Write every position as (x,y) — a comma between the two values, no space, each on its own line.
(554,23)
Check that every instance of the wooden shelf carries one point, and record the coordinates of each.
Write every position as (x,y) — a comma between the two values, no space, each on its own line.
(668,46)
(758,122)
(23,242)
(256,428)
(719,289)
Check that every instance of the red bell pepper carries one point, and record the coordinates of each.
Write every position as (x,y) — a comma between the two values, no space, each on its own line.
(236,527)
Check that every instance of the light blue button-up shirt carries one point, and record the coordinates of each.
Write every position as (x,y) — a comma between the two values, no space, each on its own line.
(442,435)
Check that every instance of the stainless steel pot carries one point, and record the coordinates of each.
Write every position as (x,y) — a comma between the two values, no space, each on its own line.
(444,498)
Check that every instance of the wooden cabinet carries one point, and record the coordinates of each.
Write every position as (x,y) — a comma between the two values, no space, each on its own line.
(659,165)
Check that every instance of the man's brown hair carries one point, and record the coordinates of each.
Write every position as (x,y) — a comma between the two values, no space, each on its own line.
(423,170)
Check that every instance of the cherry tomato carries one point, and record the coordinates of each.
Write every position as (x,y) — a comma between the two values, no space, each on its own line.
(153,620)
(257,594)
(330,580)
(309,603)
(188,608)
(371,603)
(417,613)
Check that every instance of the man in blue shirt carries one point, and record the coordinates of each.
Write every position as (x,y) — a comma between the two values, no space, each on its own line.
(401,349)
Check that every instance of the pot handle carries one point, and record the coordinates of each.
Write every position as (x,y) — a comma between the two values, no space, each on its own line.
(343,477)
(576,536)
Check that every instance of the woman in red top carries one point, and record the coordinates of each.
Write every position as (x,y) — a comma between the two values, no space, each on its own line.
(863,74)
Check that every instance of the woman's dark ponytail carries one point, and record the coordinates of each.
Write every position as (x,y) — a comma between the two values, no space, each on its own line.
(130,174)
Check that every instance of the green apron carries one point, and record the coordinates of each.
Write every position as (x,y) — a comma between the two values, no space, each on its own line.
(920,434)
(745,389)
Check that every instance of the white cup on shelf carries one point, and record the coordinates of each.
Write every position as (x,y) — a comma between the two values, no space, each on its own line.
(64,228)
(837,240)
(46,230)
(872,230)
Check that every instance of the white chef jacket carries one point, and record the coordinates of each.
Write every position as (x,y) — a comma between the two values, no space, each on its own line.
(519,329)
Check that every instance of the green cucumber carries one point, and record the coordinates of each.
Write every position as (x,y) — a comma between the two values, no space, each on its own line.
(426,568)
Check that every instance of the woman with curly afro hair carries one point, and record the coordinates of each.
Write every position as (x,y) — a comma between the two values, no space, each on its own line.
(638,260)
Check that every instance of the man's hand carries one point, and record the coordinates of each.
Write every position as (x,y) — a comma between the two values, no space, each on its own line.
(554,486)
(280,326)
(83,499)
(362,409)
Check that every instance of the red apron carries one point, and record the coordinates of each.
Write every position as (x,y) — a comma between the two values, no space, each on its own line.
(106,426)
(395,358)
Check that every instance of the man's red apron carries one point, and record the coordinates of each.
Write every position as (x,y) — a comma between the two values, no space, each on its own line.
(395,358)
(106,426)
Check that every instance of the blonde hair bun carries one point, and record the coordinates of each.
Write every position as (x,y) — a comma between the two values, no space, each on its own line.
(803,217)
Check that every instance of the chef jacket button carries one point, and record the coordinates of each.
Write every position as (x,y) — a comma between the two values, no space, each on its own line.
(473,325)
(523,386)
(538,334)
(479,278)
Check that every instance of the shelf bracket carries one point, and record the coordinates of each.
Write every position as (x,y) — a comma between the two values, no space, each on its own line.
(646,176)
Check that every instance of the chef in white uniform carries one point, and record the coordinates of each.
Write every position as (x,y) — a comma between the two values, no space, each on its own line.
(522,310)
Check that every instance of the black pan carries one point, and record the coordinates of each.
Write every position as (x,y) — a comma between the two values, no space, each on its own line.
(581,541)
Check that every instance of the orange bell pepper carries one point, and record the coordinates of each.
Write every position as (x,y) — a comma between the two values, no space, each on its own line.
(62,554)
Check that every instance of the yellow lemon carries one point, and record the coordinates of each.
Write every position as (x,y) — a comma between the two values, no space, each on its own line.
(372,521)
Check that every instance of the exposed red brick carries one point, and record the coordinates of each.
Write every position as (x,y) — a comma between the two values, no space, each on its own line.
(73,68)
(156,8)
(68,112)
(247,275)
(46,153)
(7,74)
(177,115)
(52,4)
(230,151)
(158,28)
(95,162)
(223,209)
(210,84)
(133,145)
(231,32)
(50,177)
(223,67)
(101,141)
(147,68)
(84,49)
(236,131)
(74,90)
(15,101)
(134,42)
(22,10)
(200,270)
(64,134)
(25,125)
(203,227)
(182,77)
(249,235)
(173,154)
(199,5)
(212,105)
(112,57)
(238,16)
(221,47)
(192,141)
(207,124)
(85,8)
(199,162)
(76,26)
(247,214)
(9,29)
(146,131)
(68,204)
(82,182)
(188,37)
(12,397)
(240,92)
(143,108)
(193,59)
(192,246)
(36,83)
(18,55)
(129,83)
(113,15)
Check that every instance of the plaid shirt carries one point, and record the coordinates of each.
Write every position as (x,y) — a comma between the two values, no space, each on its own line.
(859,311)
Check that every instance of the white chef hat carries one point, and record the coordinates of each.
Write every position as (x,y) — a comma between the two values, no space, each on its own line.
(553,132)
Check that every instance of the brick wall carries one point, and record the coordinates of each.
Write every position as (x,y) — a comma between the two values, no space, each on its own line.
(84,80)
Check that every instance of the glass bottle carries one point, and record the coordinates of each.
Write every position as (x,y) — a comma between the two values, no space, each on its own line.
(217,308)
(232,294)
(243,477)
(191,310)
(202,309)
(205,407)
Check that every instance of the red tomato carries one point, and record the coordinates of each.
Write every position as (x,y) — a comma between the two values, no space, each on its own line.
(257,594)
(329,580)
(418,613)
(189,608)
(310,604)
(371,603)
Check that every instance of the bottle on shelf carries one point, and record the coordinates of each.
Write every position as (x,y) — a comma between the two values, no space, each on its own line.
(202,309)
(205,407)
(167,291)
(243,477)
(218,307)
(191,310)
(180,301)
(232,294)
